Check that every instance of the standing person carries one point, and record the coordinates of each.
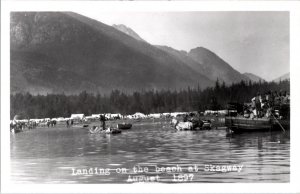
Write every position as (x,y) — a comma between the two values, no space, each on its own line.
(258,105)
(102,120)
(276,99)
(268,98)
(263,104)
(67,123)
(288,97)
(272,98)
(185,118)
(14,125)
(253,108)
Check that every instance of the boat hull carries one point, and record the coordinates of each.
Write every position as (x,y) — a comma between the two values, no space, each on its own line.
(98,130)
(15,131)
(124,126)
(241,124)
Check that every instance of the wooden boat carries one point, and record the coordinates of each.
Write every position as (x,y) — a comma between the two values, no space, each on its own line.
(98,130)
(184,126)
(241,124)
(80,126)
(191,125)
(112,131)
(206,125)
(15,130)
(124,126)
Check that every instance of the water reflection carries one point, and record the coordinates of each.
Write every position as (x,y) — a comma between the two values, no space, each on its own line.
(49,155)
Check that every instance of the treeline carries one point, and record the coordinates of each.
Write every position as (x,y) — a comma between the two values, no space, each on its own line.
(191,99)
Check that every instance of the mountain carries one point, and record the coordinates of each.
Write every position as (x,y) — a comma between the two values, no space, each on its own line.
(253,77)
(127,31)
(200,59)
(216,67)
(55,52)
(283,77)
(183,57)
(205,62)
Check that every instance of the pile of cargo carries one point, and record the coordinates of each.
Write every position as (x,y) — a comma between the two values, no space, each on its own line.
(267,105)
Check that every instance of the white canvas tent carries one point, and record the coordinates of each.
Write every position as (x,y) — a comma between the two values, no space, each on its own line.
(77,116)
(138,115)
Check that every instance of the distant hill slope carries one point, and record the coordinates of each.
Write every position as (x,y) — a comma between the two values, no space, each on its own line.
(254,77)
(205,62)
(184,58)
(201,60)
(127,31)
(215,67)
(54,52)
(283,77)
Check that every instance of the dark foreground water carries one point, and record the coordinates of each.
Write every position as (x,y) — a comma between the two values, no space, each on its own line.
(158,153)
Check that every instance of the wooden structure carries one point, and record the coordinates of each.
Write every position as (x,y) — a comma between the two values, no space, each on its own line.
(241,124)
(124,126)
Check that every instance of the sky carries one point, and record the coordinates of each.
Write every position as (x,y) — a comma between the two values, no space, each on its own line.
(254,42)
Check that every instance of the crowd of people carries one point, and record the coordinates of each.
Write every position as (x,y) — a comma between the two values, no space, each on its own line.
(21,126)
(267,105)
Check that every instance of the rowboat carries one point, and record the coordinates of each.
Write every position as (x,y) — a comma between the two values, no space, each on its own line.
(191,125)
(99,130)
(206,125)
(241,124)
(112,131)
(124,126)
(184,126)
(15,130)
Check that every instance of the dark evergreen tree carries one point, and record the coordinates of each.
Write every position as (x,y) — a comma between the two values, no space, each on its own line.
(61,105)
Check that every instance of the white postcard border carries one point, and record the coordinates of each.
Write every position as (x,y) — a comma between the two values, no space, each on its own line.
(292,7)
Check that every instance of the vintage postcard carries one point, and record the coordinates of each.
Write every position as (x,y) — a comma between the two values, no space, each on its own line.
(168,97)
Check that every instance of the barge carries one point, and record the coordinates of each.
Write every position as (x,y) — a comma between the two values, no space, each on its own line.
(241,124)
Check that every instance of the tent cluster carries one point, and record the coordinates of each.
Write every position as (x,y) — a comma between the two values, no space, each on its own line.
(20,123)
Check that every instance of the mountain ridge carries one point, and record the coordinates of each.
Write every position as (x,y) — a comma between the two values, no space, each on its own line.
(253,77)
(215,66)
(128,31)
(285,76)
(207,64)
(54,52)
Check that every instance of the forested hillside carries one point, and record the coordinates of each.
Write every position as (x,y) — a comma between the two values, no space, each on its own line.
(149,101)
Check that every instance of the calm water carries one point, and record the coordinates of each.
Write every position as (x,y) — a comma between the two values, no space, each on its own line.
(58,155)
